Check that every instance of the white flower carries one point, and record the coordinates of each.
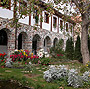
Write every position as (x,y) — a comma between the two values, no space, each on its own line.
(30,63)
(16,50)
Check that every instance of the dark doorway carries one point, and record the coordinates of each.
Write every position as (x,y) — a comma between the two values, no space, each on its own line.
(34,46)
(55,42)
(3,37)
(20,41)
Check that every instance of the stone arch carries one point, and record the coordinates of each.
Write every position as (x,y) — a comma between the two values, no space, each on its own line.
(55,41)
(4,37)
(47,43)
(49,35)
(36,43)
(22,40)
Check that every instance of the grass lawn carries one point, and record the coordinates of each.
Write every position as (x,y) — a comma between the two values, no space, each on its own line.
(34,78)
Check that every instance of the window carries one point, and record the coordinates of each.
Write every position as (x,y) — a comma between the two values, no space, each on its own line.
(61,24)
(36,16)
(46,18)
(5,3)
(54,22)
(35,13)
(23,7)
(67,27)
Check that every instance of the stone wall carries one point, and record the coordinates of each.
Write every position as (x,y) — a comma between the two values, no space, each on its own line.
(28,32)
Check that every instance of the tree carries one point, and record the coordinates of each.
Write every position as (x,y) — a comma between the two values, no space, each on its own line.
(89,43)
(77,53)
(69,49)
(82,7)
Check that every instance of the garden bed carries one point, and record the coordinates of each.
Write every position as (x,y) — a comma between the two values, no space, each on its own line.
(10,84)
(34,78)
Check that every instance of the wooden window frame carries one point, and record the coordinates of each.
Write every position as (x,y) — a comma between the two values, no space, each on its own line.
(5,6)
(61,24)
(46,17)
(54,22)
(67,27)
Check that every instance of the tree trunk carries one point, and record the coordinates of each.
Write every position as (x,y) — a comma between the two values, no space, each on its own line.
(15,21)
(84,42)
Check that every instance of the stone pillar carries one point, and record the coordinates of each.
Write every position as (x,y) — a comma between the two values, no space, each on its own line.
(11,42)
(29,43)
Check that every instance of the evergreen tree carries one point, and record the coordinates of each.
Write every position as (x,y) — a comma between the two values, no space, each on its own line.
(77,53)
(69,49)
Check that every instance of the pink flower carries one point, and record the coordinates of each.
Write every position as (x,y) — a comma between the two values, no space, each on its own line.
(37,57)
(21,53)
(15,56)
(61,54)
(28,56)
(11,56)
(31,58)
(21,56)
(34,56)
(58,55)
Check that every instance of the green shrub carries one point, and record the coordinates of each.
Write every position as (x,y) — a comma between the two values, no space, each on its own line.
(57,51)
(44,61)
(83,69)
(69,49)
(77,53)
(28,68)
(88,64)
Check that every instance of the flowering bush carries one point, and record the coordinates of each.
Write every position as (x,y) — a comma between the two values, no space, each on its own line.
(57,51)
(24,56)
(20,55)
(70,76)
(2,55)
(86,76)
(55,72)
(88,64)
(8,63)
(86,79)
(74,79)
(34,59)
(2,59)
(40,53)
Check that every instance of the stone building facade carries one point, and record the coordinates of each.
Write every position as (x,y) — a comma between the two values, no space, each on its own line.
(29,36)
